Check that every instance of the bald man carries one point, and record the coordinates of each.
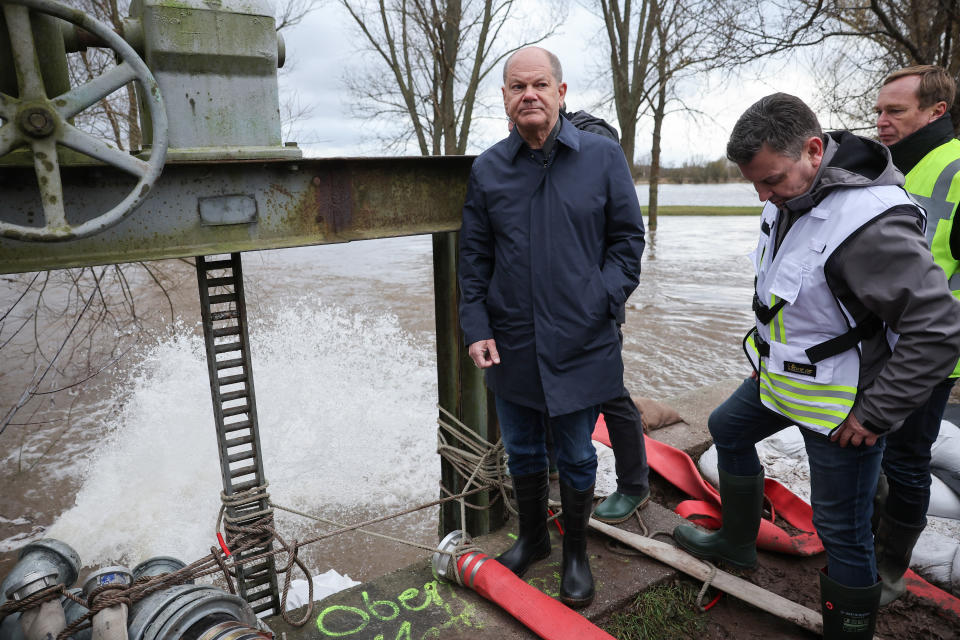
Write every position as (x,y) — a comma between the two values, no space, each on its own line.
(549,251)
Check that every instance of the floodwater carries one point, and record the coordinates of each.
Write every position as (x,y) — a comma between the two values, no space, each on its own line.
(125,466)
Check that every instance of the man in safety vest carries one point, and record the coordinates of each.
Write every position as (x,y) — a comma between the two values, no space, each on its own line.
(841,264)
(913,120)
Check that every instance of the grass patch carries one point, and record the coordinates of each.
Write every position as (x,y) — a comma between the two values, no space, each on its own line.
(707,210)
(665,611)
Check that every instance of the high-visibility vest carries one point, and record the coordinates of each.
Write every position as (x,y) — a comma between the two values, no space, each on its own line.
(805,345)
(935,184)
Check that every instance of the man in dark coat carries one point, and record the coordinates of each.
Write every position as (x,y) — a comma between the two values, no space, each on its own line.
(549,250)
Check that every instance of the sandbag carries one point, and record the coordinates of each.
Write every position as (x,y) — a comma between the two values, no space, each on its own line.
(944,503)
(937,558)
(945,457)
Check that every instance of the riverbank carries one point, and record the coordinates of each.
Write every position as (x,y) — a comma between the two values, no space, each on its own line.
(704,210)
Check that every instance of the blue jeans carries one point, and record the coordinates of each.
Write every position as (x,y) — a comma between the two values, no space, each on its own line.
(842,480)
(524,438)
(906,458)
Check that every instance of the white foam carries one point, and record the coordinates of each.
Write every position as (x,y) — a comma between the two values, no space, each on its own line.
(346,405)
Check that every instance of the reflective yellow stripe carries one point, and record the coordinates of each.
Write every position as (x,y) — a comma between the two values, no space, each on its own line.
(779,396)
(799,419)
(783,331)
(813,386)
(773,325)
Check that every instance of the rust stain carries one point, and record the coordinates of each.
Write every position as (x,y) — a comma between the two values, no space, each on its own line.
(333,193)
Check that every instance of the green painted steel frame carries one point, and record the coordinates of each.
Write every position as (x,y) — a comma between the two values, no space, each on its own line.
(304,202)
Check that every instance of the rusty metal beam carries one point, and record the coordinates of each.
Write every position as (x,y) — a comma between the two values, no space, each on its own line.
(204,207)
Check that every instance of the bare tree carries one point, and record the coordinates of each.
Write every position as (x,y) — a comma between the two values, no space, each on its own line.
(653,44)
(436,54)
(631,31)
(858,42)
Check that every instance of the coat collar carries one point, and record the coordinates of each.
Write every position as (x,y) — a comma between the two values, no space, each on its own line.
(912,149)
(569,135)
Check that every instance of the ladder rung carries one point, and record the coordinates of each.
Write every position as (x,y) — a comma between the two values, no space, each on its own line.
(222,298)
(226,331)
(220,282)
(243,471)
(224,381)
(210,265)
(243,455)
(216,316)
(243,486)
(236,442)
(266,606)
(235,411)
(236,426)
(227,346)
(256,582)
(249,572)
(233,395)
(232,363)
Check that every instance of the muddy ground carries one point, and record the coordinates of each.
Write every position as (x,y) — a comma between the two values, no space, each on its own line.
(797,579)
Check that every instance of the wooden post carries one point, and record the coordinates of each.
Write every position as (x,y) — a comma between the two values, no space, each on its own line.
(461,391)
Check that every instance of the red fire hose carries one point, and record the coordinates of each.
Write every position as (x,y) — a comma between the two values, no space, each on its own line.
(548,618)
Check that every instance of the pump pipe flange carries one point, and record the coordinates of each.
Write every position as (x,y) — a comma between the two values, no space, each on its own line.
(43,555)
(31,583)
(158,565)
(443,563)
(116,575)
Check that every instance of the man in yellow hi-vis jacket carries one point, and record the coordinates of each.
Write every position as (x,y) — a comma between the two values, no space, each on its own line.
(913,120)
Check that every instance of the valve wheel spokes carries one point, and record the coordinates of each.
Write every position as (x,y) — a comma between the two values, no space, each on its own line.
(34,120)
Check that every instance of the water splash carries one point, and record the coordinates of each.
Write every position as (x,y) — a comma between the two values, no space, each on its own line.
(346,408)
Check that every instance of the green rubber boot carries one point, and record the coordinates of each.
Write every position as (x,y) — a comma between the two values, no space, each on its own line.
(735,543)
(893,544)
(620,506)
(849,613)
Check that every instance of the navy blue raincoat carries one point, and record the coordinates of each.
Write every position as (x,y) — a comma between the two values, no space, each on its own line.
(549,250)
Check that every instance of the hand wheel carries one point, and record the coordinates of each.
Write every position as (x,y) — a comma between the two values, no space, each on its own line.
(34,120)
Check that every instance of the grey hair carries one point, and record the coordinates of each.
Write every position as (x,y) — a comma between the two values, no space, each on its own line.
(555,67)
(781,121)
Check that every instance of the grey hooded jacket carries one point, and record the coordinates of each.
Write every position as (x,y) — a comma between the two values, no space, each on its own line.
(886,270)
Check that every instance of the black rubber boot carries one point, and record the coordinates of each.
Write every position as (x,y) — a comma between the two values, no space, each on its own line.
(533,539)
(849,613)
(576,582)
(893,543)
(735,543)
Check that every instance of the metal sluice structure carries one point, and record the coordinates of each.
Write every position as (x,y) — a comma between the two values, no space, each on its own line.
(213,179)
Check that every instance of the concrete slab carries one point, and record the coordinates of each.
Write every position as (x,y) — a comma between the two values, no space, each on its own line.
(410,603)
(692,435)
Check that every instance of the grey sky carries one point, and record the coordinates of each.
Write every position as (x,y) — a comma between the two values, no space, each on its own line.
(324,46)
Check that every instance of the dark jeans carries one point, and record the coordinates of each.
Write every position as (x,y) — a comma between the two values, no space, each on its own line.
(524,438)
(842,480)
(906,458)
